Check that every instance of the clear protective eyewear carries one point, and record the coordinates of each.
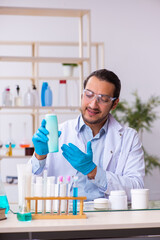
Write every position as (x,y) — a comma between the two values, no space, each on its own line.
(101,98)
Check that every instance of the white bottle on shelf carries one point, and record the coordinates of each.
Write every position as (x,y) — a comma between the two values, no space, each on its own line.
(36,95)
(29,100)
(18,99)
(62,93)
(7,97)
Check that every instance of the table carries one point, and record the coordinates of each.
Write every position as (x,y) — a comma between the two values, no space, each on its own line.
(97,225)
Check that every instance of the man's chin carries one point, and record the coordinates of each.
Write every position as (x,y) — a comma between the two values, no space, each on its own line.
(90,120)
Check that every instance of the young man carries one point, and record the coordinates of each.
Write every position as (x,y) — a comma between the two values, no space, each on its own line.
(104,154)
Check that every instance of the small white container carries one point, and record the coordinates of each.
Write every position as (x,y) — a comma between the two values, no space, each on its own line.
(139,198)
(118,200)
(101,203)
(67,70)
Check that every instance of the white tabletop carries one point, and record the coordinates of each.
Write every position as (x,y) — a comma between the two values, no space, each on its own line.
(94,221)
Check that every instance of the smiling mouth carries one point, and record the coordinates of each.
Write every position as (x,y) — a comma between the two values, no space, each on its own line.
(92,112)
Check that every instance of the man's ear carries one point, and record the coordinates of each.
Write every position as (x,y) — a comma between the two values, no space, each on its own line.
(115,103)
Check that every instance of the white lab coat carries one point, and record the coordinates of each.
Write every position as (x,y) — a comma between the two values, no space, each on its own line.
(121,146)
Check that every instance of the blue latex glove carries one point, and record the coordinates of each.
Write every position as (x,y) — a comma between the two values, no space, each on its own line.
(81,161)
(40,139)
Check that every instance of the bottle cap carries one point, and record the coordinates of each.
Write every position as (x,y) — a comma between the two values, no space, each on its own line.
(68,178)
(60,179)
(75,178)
(62,81)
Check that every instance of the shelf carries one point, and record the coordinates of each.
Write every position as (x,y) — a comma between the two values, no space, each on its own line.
(36,58)
(43,59)
(70,108)
(38,78)
(13,157)
(48,12)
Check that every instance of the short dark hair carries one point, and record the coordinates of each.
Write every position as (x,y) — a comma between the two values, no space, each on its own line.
(108,76)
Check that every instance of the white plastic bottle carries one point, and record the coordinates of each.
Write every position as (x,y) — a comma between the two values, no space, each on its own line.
(62,93)
(7,97)
(29,99)
(36,96)
(18,99)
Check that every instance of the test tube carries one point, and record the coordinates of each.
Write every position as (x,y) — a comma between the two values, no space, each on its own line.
(44,191)
(60,181)
(75,194)
(67,193)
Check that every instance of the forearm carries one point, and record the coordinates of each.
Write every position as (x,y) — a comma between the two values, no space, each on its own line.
(40,157)
(37,164)
(92,174)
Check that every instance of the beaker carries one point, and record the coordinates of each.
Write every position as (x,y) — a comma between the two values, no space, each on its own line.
(10,141)
(3,198)
(25,142)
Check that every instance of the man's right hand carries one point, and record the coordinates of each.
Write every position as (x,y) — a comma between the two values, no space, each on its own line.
(40,140)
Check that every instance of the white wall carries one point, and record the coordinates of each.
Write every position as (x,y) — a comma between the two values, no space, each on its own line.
(131,33)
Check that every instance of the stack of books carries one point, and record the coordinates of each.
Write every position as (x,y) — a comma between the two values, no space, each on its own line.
(2,214)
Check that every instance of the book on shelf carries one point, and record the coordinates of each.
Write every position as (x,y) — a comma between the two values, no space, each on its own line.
(2,214)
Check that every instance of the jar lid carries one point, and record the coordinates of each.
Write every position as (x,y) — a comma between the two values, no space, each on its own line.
(139,191)
(118,193)
(101,200)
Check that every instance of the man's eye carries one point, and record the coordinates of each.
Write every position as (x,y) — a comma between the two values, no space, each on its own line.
(89,95)
(105,99)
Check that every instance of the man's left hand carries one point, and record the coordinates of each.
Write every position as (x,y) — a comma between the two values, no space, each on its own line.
(82,162)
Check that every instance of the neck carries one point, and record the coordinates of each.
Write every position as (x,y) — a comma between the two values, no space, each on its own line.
(95,127)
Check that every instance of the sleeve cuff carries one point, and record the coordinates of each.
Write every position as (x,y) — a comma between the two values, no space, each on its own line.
(37,165)
(100,179)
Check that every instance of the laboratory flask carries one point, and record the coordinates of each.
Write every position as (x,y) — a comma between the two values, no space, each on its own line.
(10,141)
(3,198)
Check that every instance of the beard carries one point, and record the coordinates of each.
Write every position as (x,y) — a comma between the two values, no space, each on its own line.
(97,121)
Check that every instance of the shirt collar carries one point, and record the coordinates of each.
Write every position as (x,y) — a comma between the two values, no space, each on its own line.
(81,125)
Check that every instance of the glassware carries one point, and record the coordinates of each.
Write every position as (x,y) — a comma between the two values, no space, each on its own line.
(10,141)
(3,198)
(25,142)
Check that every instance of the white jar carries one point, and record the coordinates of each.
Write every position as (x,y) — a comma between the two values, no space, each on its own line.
(101,203)
(139,198)
(118,200)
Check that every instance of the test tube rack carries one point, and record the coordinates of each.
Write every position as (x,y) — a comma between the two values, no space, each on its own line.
(59,214)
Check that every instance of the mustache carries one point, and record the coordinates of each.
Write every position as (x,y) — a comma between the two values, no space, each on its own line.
(93,109)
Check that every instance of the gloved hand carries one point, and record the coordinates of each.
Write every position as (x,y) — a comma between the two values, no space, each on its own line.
(81,161)
(40,139)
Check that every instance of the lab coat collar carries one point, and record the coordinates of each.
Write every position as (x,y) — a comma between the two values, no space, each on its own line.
(113,140)
(81,124)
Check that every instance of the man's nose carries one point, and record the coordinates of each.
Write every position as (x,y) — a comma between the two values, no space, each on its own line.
(94,101)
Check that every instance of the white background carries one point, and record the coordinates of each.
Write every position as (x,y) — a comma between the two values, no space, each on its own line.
(131,34)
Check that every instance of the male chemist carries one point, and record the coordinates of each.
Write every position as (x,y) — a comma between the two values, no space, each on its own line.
(103,154)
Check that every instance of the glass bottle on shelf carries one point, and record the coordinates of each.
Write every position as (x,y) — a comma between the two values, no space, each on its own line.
(10,142)
(25,142)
